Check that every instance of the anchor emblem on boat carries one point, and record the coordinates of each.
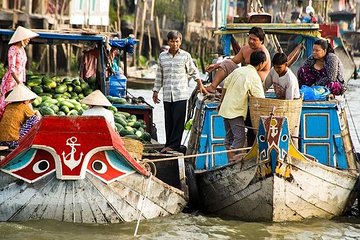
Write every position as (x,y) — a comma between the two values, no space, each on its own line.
(69,159)
(273,128)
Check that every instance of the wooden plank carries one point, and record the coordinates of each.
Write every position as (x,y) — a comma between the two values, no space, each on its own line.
(56,195)
(78,200)
(46,200)
(119,206)
(96,211)
(84,206)
(68,204)
(15,205)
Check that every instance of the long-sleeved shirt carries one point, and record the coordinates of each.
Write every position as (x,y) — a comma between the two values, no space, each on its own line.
(173,73)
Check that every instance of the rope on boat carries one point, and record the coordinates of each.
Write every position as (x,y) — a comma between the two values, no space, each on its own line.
(196,155)
(142,205)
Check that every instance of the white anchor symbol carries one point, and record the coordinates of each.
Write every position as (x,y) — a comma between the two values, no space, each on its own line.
(72,162)
(274,130)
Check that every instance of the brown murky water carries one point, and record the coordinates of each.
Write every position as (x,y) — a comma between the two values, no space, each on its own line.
(197,226)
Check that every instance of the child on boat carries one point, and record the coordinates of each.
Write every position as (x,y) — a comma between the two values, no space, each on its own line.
(18,117)
(282,78)
(241,83)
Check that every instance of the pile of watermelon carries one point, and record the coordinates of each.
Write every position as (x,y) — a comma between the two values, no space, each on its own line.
(127,124)
(62,96)
(58,96)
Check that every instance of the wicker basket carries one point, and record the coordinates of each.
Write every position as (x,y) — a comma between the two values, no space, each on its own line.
(134,147)
(289,108)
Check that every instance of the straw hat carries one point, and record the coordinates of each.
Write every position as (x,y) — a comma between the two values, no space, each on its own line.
(22,33)
(96,98)
(20,93)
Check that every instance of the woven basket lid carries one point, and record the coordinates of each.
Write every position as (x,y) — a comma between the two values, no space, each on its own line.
(22,33)
(96,98)
(20,93)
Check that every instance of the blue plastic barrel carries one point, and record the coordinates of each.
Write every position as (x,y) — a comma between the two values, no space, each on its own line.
(117,85)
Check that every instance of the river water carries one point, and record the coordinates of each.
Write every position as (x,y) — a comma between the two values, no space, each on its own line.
(195,225)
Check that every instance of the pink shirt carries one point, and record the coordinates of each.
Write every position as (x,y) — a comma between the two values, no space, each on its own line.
(16,64)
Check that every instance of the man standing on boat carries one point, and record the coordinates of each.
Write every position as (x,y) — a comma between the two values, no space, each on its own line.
(255,44)
(174,69)
(239,85)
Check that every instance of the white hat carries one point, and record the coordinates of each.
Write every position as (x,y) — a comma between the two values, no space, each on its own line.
(309,9)
(22,33)
(20,93)
(96,98)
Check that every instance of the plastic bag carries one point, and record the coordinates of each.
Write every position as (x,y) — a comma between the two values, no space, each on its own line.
(314,93)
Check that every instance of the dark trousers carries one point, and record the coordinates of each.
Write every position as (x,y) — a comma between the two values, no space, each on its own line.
(175,113)
(250,135)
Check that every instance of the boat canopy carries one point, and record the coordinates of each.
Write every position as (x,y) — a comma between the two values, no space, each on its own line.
(52,37)
(305,29)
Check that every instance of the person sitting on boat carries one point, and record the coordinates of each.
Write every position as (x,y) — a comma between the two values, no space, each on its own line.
(282,78)
(97,102)
(323,68)
(19,116)
(233,107)
(255,43)
(310,18)
(174,69)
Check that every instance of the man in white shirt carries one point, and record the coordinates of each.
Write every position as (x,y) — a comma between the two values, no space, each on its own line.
(285,82)
(174,70)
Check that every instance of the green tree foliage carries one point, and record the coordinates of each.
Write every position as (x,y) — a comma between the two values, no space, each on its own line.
(173,9)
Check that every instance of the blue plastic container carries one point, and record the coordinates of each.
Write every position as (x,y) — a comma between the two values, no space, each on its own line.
(117,85)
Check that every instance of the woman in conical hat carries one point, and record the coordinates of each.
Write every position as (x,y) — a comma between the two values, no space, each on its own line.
(16,72)
(97,102)
(18,117)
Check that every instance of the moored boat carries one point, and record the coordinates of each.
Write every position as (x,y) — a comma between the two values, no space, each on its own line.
(66,169)
(141,78)
(277,180)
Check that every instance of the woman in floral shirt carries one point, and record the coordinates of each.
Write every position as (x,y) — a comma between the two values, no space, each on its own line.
(323,68)
(16,72)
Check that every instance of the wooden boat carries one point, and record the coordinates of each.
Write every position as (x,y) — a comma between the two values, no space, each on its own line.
(66,169)
(277,180)
(141,78)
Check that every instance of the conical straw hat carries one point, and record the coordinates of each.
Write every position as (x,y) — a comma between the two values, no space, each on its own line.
(22,33)
(20,93)
(96,98)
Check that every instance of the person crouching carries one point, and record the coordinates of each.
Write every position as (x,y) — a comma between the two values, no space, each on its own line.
(19,116)
(97,102)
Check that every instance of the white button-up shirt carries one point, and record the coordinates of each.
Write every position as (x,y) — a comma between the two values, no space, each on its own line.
(173,74)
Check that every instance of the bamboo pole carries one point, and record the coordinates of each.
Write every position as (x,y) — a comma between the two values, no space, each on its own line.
(135,31)
(157,32)
(142,28)
(150,45)
(118,6)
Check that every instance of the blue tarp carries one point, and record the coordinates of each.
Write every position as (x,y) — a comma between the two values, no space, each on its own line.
(52,37)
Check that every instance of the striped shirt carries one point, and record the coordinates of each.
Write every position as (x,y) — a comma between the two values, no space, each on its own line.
(173,73)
